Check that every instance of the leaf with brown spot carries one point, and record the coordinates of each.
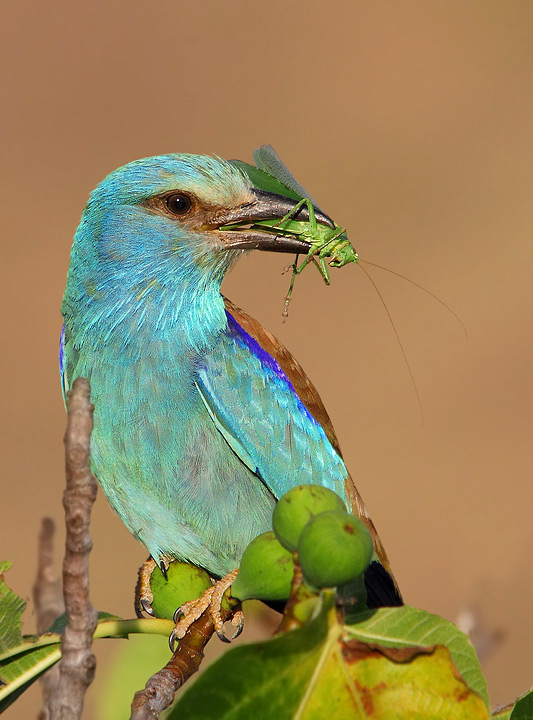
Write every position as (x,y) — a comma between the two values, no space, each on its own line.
(321,671)
(408,627)
(353,650)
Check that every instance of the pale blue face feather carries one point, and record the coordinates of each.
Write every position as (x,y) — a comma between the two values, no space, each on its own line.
(197,429)
(210,178)
(125,257)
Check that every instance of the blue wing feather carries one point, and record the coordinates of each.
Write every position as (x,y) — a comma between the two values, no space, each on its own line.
(256,408)
(63,363)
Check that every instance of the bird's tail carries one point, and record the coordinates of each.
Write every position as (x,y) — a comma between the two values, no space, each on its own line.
(381,586)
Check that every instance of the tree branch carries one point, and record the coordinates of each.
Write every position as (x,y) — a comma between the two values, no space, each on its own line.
(48,602)
(77,666)
(160,689)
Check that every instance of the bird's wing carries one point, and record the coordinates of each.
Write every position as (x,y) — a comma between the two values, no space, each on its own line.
(273,418)
(63,363)
(258,410)
(303,387)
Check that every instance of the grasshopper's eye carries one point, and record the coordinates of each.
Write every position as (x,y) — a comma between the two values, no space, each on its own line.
(178,203)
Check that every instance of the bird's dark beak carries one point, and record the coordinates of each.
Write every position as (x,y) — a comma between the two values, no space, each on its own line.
(236,229)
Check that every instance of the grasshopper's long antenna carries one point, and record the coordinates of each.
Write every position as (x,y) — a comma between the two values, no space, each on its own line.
(397,338)
(421,287)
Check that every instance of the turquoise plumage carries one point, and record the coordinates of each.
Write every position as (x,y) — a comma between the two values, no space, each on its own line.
(202,420)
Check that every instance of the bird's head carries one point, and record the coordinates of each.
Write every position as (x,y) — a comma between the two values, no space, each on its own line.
(164,226)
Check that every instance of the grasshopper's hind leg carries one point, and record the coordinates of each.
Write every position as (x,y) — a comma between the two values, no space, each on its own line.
(294,212)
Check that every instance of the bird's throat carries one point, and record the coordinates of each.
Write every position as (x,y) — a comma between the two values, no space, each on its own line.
(153,319)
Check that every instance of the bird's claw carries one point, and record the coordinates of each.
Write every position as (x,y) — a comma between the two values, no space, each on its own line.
(237,620)
(209,601)
(223,637)
(179,611)
(172,641)
(147,607)
(143,593)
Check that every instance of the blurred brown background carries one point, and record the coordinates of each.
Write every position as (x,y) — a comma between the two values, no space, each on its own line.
(411,123)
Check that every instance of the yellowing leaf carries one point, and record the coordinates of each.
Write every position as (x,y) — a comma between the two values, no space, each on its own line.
(322,671)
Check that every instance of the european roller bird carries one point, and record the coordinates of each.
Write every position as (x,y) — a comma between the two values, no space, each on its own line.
(202,418)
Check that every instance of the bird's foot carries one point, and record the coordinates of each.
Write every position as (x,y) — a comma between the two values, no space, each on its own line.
(210,601)
(143,593)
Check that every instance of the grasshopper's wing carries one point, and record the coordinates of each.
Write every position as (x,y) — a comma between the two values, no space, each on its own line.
(267,160)
(273,418)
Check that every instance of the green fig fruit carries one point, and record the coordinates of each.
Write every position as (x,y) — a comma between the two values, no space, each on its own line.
(294,510)
(265,572)
(184,582)
(334,549)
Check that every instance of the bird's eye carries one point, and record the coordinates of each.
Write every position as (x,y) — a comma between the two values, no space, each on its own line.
(178,203)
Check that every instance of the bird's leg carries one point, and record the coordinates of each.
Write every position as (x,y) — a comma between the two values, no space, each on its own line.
(210,601)
(143,594)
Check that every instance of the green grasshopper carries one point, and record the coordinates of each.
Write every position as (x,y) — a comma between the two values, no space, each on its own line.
(325,242)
